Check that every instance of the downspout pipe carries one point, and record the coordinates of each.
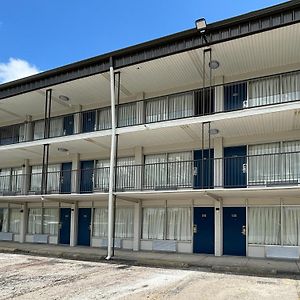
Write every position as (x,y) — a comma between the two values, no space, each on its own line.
(112,164)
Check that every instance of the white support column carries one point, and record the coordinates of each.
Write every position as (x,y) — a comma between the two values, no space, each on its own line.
(219,98)
(74,225)
(77,119)
(25,177)
(137,227)
(111,165)
(218,159)
(140,109)
(139,160)
(75,173)
(28,128)
(23,223)
(218,228)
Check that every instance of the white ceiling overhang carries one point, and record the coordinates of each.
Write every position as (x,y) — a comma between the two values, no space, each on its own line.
(264,53)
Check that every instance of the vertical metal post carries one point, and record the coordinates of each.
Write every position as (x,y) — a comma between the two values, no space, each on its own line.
(48,102)
(202,156)
(116,156)
(112,164)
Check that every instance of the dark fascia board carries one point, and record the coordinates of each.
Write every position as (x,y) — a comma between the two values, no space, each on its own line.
(254,22)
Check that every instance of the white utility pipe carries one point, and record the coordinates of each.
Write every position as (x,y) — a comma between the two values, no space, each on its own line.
(111,166)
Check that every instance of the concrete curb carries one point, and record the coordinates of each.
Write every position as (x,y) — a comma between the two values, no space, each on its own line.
(157,263)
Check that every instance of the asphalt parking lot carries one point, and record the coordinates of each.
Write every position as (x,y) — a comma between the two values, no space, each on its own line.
(32,277)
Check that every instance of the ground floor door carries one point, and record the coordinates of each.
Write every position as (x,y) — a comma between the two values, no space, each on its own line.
(84,226)
(204,230)
(65,225)
(234,231)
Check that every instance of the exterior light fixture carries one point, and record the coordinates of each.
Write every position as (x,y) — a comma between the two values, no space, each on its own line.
(201,24)
(62,150)
(214,64)
(64,98)
(214,131)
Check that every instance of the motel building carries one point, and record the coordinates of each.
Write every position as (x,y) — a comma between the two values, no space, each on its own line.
(189,143)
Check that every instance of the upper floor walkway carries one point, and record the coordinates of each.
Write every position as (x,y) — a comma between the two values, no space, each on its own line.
(237,96)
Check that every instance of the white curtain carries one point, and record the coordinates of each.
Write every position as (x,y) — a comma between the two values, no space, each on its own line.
(36,178)
(127,114)
(57,127)
(291,161)
(34,221)
(104,118)
(291,87)
(3,219)
(5,180)
(180,167)
(181,105)
(16,179)
(14,220)
(154,223)
(53,178)
(101,181)
(291,226)
(264,225)
(179,225)
(264,163)
(155,171)
(38,132)
(126,173)
(124,223)
(264,91)
(157,110)
(50,221)
(100,221)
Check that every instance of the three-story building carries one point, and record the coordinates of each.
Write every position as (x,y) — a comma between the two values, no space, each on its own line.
(189,143)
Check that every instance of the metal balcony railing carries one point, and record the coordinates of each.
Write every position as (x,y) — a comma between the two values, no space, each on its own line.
(258,92)
(264,170)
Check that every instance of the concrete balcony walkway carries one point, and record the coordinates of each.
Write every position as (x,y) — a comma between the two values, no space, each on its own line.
(231,264)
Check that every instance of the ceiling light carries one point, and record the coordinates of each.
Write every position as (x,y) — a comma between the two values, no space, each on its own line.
(64,98)
(214,64)
(62,150)
(201,24)
(213,131)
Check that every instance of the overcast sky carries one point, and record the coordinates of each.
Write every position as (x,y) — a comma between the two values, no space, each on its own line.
(38,35)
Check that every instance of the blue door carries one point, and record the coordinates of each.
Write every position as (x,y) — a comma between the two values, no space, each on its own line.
(88,121)
(204,230)
(235,169)
(65,178)
(204,169)
(68,125)
(86,178)
(234,231)
(84,225)
(234,96)
(65,225)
